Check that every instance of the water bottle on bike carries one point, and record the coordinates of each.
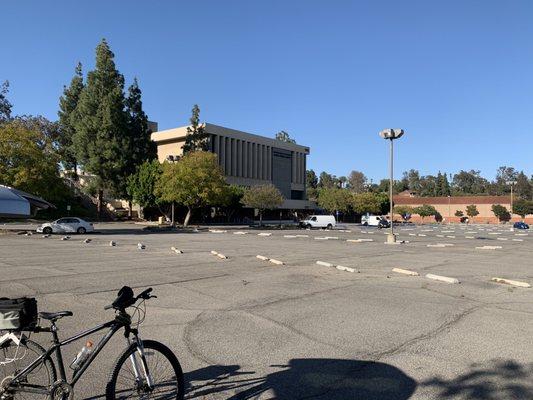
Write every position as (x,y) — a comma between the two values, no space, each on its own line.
(82,356)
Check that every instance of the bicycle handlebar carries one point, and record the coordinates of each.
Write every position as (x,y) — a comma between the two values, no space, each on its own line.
(126,299)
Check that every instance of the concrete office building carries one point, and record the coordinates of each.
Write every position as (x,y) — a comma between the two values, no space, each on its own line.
(247,159)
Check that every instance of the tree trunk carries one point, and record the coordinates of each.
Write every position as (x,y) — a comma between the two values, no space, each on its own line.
(187,217)
(75,174)
(130,211)
(260,218)
(99,202)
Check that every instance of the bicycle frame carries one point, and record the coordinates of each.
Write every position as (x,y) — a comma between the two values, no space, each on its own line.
(122,320)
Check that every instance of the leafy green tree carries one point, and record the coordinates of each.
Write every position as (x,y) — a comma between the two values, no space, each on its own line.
(357,182)
(501,212)
(28,160)
(334,199)
(523,207)
(231,200)
(101,139)
(265,197)
(284,137)
(523,187)
(459,213)
(327,181)
(67,121)
(196,138)
(412,180)
(5,105)
(363,203)
(504,175)
(141,185)
(311,179)
(404,211)
(426,210)
(472,211)
(469,183)
(195,181)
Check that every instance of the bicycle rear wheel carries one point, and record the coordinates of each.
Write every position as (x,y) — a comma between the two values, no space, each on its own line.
(14,359)
(163,367)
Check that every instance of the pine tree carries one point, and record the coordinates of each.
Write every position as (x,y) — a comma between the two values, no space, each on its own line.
(196,139)
(67,121)
(101,125)
(5,105)
(138,144)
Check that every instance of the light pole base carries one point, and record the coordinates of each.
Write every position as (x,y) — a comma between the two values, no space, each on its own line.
(391,238)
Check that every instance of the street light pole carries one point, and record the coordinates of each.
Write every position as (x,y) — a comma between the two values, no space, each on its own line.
(511,183)
(391,134)
(391,183)
(449,211)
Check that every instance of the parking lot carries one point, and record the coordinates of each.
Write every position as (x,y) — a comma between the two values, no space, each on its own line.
(244,327)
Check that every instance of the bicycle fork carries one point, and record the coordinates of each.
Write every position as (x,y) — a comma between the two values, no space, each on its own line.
(141,370)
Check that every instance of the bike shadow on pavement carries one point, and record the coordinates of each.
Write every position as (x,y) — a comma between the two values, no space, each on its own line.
(302,378)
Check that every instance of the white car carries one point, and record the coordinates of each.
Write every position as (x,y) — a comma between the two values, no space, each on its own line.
(66,225)
(319,221)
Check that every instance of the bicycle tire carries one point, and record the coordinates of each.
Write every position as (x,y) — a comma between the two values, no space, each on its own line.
(47,376)
(175,382)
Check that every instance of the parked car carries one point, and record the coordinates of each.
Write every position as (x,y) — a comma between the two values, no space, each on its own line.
(66,225)
(383,223)
(319,221)
(520,225)
(372,220)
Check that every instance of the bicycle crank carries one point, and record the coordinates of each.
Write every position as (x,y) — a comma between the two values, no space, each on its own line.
(62,391)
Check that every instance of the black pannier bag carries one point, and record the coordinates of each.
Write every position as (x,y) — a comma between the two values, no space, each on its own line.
(16,314)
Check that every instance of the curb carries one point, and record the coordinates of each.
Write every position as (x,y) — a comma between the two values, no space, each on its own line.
(405,271)
(511,282)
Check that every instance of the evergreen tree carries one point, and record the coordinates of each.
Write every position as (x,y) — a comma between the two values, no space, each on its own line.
(101,138)
(443,186)
(284,137)
(196,138)
(138,143)
(67,121)
(523,187)
(357,181)
(5,105)
(311,179)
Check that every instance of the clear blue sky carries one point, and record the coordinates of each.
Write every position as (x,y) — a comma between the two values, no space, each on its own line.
(457,75)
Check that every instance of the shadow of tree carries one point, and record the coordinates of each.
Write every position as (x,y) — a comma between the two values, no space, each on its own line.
(497,380)
(303,378)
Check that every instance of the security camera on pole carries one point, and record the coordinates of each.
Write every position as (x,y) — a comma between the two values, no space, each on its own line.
(391,134)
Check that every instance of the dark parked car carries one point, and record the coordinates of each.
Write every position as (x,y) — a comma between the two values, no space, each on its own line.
(520,225)
(383,223)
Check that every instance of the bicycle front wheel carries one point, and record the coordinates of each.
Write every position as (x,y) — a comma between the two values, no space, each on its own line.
(129,380)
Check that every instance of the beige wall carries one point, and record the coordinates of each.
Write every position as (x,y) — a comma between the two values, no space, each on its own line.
(246,159)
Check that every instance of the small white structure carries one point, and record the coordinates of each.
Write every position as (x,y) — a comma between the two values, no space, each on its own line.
(13,205)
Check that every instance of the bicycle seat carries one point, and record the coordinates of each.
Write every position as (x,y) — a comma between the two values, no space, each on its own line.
(54,316)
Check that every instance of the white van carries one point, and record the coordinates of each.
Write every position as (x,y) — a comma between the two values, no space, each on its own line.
(319,221)
(371,220)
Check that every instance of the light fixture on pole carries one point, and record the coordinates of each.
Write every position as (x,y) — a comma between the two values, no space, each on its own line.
(391,134)
(511,183)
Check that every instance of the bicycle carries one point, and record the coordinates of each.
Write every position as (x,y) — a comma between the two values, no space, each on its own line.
(135,373)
